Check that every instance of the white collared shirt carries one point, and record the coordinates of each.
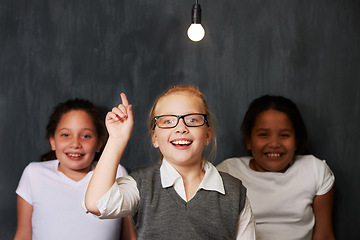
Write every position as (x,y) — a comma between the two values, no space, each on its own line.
(123,197)
(212,180)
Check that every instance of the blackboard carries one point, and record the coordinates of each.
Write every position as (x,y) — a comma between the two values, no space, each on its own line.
(308,50)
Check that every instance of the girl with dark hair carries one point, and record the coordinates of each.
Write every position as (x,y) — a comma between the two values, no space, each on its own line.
(291,194)
(50,193)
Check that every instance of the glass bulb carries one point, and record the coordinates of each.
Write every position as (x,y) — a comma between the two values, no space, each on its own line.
(196,32)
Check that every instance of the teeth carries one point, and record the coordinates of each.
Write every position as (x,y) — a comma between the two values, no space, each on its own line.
(273,154)
(74,154)
(181,142)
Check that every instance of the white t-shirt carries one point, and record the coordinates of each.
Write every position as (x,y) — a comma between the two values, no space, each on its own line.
(282,202)
(57,210)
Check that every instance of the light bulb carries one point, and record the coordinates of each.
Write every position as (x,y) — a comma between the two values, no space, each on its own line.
(196,32)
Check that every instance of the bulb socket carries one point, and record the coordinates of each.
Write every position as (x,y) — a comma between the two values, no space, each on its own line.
(196,14)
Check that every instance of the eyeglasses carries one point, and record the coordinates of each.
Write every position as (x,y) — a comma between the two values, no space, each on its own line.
(190,120)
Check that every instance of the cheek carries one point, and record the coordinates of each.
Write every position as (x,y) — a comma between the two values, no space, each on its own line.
(161,139)
(91,146)
(256,147)
(291,144)
(253,144)
(158,138)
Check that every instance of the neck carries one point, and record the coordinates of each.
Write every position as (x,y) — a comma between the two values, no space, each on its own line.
(192,175)
(188,170)
(75,175)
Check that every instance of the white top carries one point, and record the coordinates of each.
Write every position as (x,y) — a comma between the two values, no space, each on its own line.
(56,201)
(282,202)
(117,203)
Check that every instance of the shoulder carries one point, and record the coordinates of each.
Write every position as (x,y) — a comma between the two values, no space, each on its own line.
(234,162)
(226,177)
(150,168)
(35,171)
(234,190)
(145,172)
(316,169)
(236,167)
(33,177)
(230,182)
(309,161)
(41,166)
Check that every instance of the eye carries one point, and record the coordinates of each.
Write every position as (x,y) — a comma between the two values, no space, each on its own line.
(167,120)
(86,136)
(287,135)
(263,134)
(192,120)
(65,135)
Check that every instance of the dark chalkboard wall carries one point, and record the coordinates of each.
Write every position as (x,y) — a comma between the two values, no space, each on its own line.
(307,50)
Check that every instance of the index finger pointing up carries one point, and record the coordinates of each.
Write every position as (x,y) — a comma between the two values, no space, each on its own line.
(124,100)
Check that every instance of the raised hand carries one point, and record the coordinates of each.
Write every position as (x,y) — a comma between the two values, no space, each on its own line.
(119,122)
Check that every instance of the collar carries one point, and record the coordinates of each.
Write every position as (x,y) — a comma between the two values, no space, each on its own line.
(212,180)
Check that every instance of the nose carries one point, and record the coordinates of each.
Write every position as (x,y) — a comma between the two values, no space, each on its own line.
(181,127)
(274,142)
(75,143)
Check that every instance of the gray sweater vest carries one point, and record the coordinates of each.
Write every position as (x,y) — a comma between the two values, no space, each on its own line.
(163,214)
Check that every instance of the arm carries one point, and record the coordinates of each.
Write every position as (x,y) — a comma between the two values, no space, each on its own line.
(128,231)
(119,123)
(24,214)
(246,225)
(322,207)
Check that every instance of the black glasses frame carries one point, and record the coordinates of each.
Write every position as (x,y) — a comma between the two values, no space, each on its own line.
(178,119)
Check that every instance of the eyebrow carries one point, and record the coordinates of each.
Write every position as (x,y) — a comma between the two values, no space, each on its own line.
(268,129)
(83,129)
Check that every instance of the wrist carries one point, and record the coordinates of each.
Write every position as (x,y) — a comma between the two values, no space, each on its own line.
(117,141)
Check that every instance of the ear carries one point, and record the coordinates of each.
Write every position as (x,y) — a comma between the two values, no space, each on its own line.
(52,143)
(208,136)
(100,144)
(154,139)
(248,144)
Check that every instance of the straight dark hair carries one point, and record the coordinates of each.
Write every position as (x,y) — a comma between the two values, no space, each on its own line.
(281,104)
(75,104)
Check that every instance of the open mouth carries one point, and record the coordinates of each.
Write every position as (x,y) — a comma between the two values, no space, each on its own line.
(75,155)
(273,155)
(181,143)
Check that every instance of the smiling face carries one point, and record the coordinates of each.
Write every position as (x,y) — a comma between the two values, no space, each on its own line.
(272,142)
(75,142)
(181,145)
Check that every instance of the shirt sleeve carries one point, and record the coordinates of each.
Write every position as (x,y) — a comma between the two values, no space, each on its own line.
(121,171)
(246,224)
(24,187)
(326,178)
(121,199)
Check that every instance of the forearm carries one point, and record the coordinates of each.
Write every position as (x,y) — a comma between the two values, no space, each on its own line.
(105,173)
(127,229)
(24,214)
(322,207)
